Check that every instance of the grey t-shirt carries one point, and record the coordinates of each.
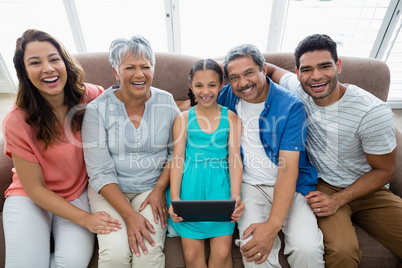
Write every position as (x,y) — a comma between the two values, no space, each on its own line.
(339,135)
(117,152)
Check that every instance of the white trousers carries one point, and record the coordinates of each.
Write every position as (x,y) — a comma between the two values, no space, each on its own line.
(303,238)
(28,228)
(114,250)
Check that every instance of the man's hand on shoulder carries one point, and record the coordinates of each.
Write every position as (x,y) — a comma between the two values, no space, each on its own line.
(323,204)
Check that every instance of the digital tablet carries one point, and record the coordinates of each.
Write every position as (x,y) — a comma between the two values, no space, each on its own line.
(204,210)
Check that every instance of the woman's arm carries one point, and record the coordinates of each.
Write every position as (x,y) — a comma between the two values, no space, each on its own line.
(235,163)
(177,163)
(157,198)
(31,177)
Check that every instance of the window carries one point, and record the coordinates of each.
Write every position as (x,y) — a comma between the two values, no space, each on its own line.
(354,25)
(208,28)
(393,57)
(103,21)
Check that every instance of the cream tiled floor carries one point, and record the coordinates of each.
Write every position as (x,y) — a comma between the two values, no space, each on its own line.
(7,100)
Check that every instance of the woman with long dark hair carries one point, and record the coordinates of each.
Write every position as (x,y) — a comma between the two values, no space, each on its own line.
(48,195)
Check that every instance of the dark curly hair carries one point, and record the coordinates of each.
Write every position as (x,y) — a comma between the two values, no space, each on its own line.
(39,113)
(315,42)
(208,64)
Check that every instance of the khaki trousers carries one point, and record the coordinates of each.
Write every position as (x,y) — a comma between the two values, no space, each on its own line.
(114,250)
(379,214)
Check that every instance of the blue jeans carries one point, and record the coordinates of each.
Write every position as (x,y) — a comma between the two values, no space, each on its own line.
(28,228)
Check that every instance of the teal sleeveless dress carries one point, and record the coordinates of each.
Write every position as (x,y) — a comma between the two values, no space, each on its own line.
(205,176)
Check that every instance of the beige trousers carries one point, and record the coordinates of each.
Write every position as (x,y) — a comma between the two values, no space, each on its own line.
(303,240)
(114,250)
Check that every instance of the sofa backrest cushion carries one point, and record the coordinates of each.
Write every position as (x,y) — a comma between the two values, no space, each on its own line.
(171,71)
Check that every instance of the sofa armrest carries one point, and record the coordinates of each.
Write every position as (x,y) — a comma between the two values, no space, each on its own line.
(396,184)
(6,164)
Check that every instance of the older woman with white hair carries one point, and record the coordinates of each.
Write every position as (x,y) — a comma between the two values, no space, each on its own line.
(127,138)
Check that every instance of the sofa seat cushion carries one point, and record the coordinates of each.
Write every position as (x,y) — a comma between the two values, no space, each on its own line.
(375,254)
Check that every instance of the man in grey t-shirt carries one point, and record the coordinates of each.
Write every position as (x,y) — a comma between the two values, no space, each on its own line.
(351,142)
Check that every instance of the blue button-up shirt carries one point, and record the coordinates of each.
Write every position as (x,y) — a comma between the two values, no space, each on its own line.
(283,126)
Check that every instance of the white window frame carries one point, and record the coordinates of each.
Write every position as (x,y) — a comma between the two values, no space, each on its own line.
(75,25)
(276,26)
(7,85)
(278,18)
(173,25)
(387,29)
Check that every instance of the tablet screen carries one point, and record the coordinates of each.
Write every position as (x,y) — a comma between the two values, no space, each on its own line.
(204,210)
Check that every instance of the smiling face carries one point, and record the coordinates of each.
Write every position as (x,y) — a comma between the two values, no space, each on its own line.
(318,76)
(206,86)
(45,69)
(247,80)
(135,76)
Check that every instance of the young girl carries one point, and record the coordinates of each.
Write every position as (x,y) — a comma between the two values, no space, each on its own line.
(206,165)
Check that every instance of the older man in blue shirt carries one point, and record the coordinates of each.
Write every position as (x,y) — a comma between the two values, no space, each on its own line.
(277,173)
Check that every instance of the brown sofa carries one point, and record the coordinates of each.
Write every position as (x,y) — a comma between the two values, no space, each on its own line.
(171,74)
